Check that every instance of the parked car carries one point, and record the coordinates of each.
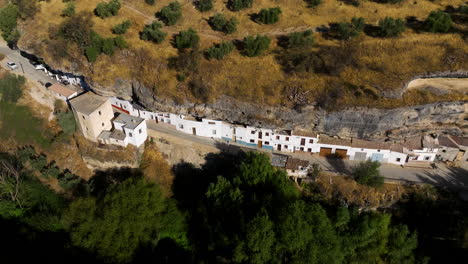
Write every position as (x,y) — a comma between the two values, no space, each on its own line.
(12,65)
(47,85)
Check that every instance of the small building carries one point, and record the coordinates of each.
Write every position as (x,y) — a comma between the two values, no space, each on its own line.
(329,146)
(62,92)
(133,128)
(453,149)
(420,149)
(278,160)
(297,168)
(93,114)
(305,141)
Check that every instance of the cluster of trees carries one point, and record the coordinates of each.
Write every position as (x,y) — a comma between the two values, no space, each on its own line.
(390,27)
(304,39)
(109,9)
(204,5)
(11,87)
(187,39)
(219,22)
(170,14)
(219,51)
(100,45)
(438,22)
(255,46)
(121,28)
(237,5)
(348,30)
(153,32)
(8,17)
(268,16)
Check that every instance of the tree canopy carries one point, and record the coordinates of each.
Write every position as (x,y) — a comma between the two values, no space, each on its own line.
(438,22)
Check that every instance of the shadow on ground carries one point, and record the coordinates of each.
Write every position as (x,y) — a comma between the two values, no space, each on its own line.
(455,178)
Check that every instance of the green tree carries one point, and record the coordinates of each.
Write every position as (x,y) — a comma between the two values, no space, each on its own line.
(121,28)
(237,5)
(11,87)
(92,53)
(269,16)
(313,3)
(219,22)
(300,39)
(219,51)
(69,9)
(367,173)
(390,27)
(186,39)
(8,16)
(129,214)
(171,13)
(255,46)
(108,46)
(438,22)
(401,245)
(77,29)
(111,8)
(153,32)
(347,30)
(120,42)
(204,5)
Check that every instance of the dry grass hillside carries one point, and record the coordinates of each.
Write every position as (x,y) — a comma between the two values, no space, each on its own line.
(361,71)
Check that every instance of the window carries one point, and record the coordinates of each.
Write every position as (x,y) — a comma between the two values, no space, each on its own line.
(214,132)
(139,130)
(444,150)
(398,159)
(152,116)
(252,141)
(311,141)
(83,117)
(99,112)
(212,123)
(181,126)
(286,146)
(309,150)
(125,107)
(277,137)
(287,138)
(130,135)
(267,143)
(378,150)
(252,132)
(267,134)
(102,124)
(427,158)
(302,149)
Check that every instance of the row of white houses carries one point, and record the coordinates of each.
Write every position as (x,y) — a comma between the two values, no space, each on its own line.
(416,149)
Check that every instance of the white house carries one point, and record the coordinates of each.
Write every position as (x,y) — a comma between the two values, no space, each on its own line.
(305,141)
(420,149)
(134,128)
(62,92)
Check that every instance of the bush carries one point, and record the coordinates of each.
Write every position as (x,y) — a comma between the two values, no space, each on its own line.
(204,5)
(69,9)
(269,16)
(313,3)
(186,39)
(77,29)
(438,22)
(11,87)
(109,9)
(219,22)
(236,5)
(69,181)
(121,28)
(27,8)
(367,173)
(150,2)
(390,27)
(120,42)
(218,51)
(347,30)
(171,13)
(463,9)
(152,32)
(255,46)
(8,16)
(92,53)
(66,121)
(300,39)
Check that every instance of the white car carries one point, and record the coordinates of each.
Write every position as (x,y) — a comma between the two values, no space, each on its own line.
(12,65)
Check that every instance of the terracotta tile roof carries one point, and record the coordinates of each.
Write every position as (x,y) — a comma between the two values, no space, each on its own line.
(334,141)
(359,143)
(447,142)
(395,147)
(62,90)
(463,141)
(413,143)
(303,133)
(294,164)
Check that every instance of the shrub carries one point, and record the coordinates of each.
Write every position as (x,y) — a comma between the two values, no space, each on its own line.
(69,9)
(219,22)
(269,16)
(218,51)
(300,39)
(121,28)
(186,39)
(152,32)
(347,30)
(11,87)
(438,22)
(69,181)
(204,5)
(390,27)
(8,16)
(66,121)
(313,3)
(27,8)
(150,2)
(92,53)
(255,46)
(108,46)
(463,9)
(236,5)
(77,29)
(120,42)
(39,162)
(171,13)
(109,9)
(367,173)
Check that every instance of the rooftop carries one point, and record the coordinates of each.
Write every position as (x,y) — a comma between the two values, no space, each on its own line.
(130,122)
(62,90)
(117,134)
(359,143)
(413,143)
(334,141)
(87,103)
(295,164)
(463,141)
(303,133)
(395,147)
(279,160)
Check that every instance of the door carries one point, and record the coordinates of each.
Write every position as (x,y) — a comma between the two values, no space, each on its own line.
(259,143)
(360,156)
(377,157)
(234,134)
(342,153)
(324,152)
(194,131)
(302,141)
(279,147)
(260,135)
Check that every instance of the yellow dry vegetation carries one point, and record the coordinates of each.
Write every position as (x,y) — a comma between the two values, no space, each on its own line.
(382,64)
(156,169)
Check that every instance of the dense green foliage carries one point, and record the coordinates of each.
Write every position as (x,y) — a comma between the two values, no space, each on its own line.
(438,22)
(153,32)
(121,28)
(109,9)
(171,13)
(302,39)
(220,23)
(255,46)
(69,9)
(204,5)
(390,27)
(313,3)
(269,16)
(237,5)
(219,51)
(187,39)
(100,45)
(8,16)
(347,30)
(11,87)
(367,173)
